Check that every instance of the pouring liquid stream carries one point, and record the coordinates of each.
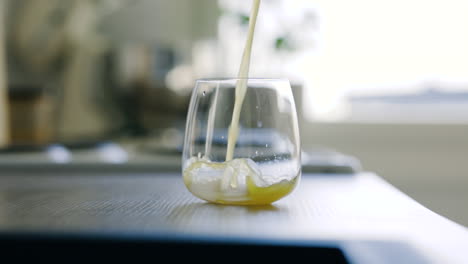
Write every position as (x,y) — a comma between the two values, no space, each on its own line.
(241,87)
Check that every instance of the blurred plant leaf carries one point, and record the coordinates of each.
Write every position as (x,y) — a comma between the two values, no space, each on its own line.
(283,44)
(244,19)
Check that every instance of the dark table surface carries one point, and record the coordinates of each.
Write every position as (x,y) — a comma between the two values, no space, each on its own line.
(360,214)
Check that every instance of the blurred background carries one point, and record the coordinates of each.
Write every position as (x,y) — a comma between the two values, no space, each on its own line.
(96,83)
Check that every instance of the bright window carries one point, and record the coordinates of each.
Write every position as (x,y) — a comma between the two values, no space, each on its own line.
(391,49)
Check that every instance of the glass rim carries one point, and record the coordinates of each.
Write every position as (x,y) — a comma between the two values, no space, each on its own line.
(229,79)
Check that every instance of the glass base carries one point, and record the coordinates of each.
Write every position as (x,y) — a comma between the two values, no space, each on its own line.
(237,182)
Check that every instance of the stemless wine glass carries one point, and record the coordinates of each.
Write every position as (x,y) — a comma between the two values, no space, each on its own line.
(266,163)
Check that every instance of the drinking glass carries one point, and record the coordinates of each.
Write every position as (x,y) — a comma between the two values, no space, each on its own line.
(265,164)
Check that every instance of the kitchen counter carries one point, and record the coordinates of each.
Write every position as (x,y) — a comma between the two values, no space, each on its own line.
(142,156)
(347,218)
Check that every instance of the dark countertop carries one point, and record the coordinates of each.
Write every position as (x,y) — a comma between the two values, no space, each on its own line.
(350,212)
